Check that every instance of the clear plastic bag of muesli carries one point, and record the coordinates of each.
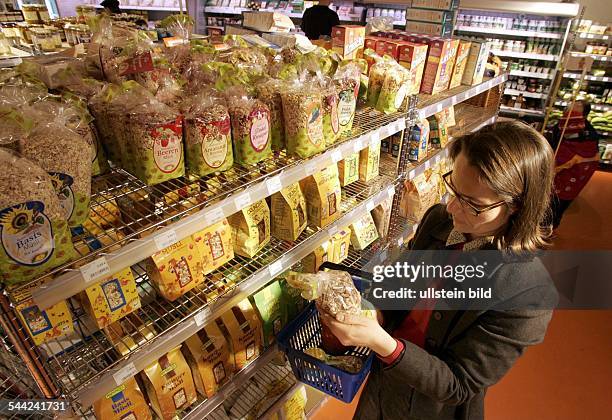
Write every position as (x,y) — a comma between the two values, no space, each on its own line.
(331,122)
(100,108)
(394,89)
(377,75)
(303,113)
(208,137)
(251,132)
(269,92)
(347,79)
(155,141)
(180,26)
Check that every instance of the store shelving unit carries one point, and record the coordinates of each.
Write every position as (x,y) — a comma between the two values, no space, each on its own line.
(148,8)
(85,366)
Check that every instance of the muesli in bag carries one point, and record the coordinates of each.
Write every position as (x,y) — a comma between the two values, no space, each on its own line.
(377,75)
(208,137)
(393,90)
(251,229)
(331,123)
(30,212)
(269,92)
(347,79)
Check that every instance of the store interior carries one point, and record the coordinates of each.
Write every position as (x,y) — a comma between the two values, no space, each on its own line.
(175,168)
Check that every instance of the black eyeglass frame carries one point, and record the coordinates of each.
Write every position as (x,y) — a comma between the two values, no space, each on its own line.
(475,210)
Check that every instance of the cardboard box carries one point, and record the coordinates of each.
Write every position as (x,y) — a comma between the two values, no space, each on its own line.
(392,48)
(419,138)
(463,51)
(436,77)
(381,46)
(476,63)
(413,57)
(443,30)
(48,324)
(370,42)
(267,21)
(348,169)
(339,246)
(348,40)
(432,16)
(435,4)
(241,324)
(369,160)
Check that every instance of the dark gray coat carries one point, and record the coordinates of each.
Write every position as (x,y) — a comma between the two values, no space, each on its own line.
(465,351)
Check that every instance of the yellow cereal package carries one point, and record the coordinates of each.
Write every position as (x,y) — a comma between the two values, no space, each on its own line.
(112,299)
(348,169)
(125,402)
(363,232)
(312,262)
(45,325)
(129,333)
(251,229)
(382,215)
(339,247)
(176,269)
(323,194)
(215,246)
(420,194)
(288,213)
(208,354)
(368,162)
(241,325)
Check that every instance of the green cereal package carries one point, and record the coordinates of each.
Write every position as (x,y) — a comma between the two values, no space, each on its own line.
(303,113)
(393,90)
(347,79)
(331,123)
(272,312)
(292,299)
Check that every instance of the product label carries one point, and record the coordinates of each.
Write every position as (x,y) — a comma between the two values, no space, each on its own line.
(62,184)
(37,321)
(27,236)
(400,95)
(214,143)
(346,108)
(168,145)
(137,64)
(315,124)
(260,129)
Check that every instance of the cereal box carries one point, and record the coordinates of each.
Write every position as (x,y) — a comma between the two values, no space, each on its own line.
(419,138)
(476,63)
(413,57)
(392,48)
(437,29)
(348,169)
(176,269)
(288,213)
(209,355)
(124,402)
(339,245)
(438,135)
(369,159)
(363,232)
(463,52)
(214,245)
(440,59)
(348,40)
(110,300)
(435,4)
(129,333)
(322,192)
(272,312)
(251,229)
(449,114)
(48,324)
(169,384)
(382,215)
(242,326)
(429,15)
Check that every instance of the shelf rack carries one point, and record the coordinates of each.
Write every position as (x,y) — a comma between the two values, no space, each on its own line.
(510,32)
(531,74)
(530,56)
(525,93)
(86,365)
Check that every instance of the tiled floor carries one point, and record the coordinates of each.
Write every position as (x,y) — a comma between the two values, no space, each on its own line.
(568,376)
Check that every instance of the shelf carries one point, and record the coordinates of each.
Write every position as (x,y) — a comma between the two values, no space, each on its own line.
(588,77)
(157,8)
(598,57)
(531,74)
(521,112)
(90,367)
(585,35)
(510,32)
(220,197)
(225,10)
(526,94)
(431,104)
(530,56)
(297,15)
(594,107)
(544,8)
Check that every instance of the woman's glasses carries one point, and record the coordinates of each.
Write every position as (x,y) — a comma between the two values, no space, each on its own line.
(473,209)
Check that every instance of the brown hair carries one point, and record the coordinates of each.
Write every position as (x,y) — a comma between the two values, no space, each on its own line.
(517,163)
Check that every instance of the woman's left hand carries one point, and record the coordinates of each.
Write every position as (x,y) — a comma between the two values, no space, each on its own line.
(360,331)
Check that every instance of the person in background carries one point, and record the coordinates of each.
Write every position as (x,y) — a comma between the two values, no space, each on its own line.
(111,6)
(576,159)
(318,20)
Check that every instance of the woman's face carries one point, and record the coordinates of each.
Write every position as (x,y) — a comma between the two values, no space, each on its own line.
(467,183)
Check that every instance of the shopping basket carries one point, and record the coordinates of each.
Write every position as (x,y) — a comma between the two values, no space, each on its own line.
(305,332)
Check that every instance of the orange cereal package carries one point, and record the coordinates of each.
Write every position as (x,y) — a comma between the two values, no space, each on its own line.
(126,402)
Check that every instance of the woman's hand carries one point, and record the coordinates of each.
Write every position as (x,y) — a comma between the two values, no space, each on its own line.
(361,331)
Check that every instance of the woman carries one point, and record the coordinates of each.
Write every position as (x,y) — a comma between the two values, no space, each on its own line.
(439,364)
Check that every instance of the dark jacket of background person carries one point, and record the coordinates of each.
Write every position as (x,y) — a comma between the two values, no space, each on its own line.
(319,20)
(465,351)
(111,6)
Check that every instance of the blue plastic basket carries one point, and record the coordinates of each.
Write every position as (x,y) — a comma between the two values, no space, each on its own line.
(305,332)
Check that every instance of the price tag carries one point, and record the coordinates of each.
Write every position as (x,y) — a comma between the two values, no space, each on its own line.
(214,215)
(274,185)
(166,239)
(370,205)
(95,270)
(336,156)
(427,164)
(411,174)
(358,145)
(275,268)
(374,137)
(242,200)
(332,230)
(437,159)
(439,107)
(201,317)
(310,168)
(126,372)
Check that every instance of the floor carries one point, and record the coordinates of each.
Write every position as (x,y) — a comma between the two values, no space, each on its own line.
(568,376)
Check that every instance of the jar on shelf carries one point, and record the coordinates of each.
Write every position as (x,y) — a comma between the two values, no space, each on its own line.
(30,13)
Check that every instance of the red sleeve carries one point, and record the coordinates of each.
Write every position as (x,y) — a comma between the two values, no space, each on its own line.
(399,348)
